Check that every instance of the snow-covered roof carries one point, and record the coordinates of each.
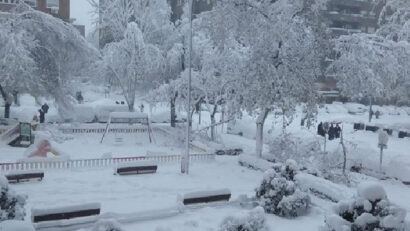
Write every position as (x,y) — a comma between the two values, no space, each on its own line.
(128,115)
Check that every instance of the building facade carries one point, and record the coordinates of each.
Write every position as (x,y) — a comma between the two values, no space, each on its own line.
(353,16)
(346,17)
(57,8)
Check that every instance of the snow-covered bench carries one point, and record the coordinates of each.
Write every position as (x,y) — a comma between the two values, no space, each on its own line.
(141,167)
(403,134)
(229,152)
(372,128)
(65,213)
(205,196)
(358,126)
(24,176)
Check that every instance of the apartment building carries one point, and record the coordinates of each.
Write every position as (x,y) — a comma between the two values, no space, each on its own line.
(353,16)
(57,8)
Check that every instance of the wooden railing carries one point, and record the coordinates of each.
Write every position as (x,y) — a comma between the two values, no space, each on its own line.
(97,163)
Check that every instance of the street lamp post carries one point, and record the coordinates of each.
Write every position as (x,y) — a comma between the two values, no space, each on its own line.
(185,158)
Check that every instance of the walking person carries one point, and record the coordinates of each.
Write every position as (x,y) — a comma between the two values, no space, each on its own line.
(320,130)
(331,132)
(338,130)
(42,118)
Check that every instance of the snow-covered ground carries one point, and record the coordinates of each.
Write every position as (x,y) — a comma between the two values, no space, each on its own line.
(132,194)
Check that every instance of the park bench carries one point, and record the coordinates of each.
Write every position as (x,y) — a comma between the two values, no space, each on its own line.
(141,167)
(372,128)
(403,134)
(24,176)
(229,152)
(206,196)
(358,126)
(389,131)
(65,213)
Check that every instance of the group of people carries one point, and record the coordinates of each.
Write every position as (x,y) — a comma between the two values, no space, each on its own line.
(332,131)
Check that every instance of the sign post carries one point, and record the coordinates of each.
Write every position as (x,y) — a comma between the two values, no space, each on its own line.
(326,127)
(383,139)
(25,133)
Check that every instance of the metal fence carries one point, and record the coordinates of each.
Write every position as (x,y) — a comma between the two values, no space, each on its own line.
(97,163)
(102,130)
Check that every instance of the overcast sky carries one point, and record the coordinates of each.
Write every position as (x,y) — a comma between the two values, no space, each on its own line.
(81,11)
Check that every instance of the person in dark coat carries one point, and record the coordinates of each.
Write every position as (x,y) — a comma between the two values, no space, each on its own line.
(331,132)
(320,130)
(45,108)
(338,130)
(42,118)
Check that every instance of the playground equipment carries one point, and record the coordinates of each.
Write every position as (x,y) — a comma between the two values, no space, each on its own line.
(41,148)
(19,135)
(128,118)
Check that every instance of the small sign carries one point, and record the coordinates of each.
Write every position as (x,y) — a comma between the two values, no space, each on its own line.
(25,131)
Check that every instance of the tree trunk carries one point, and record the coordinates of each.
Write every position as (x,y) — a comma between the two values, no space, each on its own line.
(6,103)
(7,110)
(131,107)
(344,152)
(213,122)
(370,109)
(259,131)
(173,112)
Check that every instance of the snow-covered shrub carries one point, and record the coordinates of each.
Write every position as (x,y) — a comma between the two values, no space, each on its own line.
(287,146)
(107,225)
(254,221)
(279,194)
(369,210)
(11,204)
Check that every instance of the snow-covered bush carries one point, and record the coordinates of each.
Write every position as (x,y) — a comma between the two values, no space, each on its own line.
(107,225)
(11,204)
(287,146)
(279,194)
(369,210)
(254,221)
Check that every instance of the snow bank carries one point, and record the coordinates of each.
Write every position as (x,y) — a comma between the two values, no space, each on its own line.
(322,188)
(398,167)
(253,221)
(355,108)
(254,162)
(107,225)
(128,115)
(14,225)
(371,191)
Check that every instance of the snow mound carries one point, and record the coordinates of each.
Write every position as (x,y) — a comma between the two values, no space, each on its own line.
(107,225)
(254,162)
(14,225)
(253,221)
(371,192)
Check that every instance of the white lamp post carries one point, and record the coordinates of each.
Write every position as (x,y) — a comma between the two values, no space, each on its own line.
(185,158)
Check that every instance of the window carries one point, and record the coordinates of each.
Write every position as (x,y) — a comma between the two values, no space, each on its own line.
(32,3)
(53,4)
